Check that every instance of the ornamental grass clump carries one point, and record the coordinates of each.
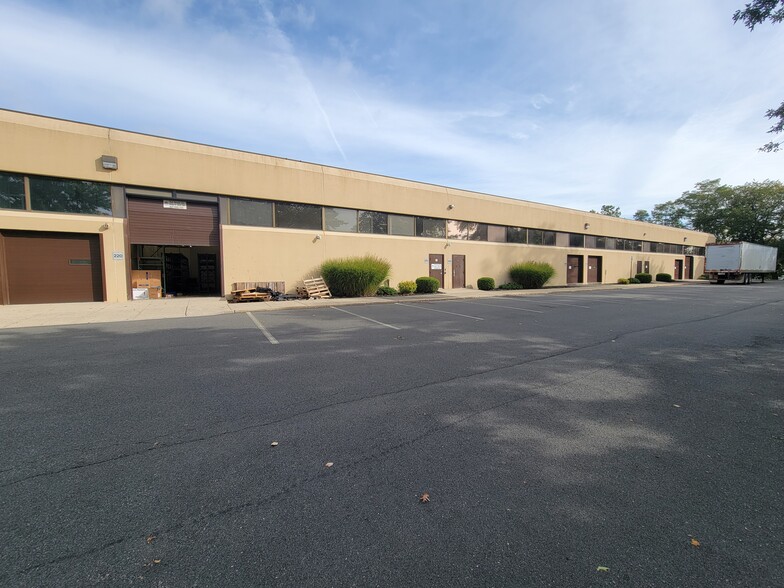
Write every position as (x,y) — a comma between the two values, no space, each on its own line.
(531,274)
(355,276)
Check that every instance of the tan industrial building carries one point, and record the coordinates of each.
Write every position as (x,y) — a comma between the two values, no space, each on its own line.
(83,207)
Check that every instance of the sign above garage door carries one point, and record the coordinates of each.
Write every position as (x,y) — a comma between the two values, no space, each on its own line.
(156,222)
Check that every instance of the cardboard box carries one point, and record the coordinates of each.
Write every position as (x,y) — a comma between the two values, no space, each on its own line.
(145,275)
(155,292)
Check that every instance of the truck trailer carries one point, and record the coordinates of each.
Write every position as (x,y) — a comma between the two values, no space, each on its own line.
(737,262)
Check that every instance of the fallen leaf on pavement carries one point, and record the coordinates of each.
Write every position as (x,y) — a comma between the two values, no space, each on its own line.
(695,543)
(150,539)
(425,497)
(602,569)
(274,444)
(677,405)
(329,464)
(156,561)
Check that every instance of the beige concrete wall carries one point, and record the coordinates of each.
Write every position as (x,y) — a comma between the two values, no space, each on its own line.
(112,240)
(38,145)
(258,254)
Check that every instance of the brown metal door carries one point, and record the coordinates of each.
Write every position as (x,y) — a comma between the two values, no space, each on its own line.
(574,269)
(594,269)
(156,222)
(689,268)
(458,271)
(647,267)
(639,267)
(678,269)
(437,267)
(52,267)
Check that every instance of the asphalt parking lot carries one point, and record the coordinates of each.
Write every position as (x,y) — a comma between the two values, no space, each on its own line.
(601,438)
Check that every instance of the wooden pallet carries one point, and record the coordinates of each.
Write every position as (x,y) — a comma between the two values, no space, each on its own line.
(317,288)
(248,296)
(242,286)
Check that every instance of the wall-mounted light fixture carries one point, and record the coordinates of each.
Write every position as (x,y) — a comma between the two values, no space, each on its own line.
(684,239)
(104,227)
(450,206)
(447,243)
(587,226)
(109,162)
(318,237)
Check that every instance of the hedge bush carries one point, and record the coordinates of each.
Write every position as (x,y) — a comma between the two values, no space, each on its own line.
(485,284)
(386,291)
(355,276)
(510,286)
(644,278)
(634,281)
(427,285)
(663,278)
(531,274)
(623,280)
(407,287)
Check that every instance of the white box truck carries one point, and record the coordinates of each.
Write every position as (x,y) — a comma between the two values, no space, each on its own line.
(737,262)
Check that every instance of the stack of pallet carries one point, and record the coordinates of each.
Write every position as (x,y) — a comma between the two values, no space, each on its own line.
(248,291)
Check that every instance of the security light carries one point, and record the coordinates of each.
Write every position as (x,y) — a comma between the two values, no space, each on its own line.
(109,162)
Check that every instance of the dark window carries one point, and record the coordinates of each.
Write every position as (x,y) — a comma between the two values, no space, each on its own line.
(636,245)
(430,227)
(516,235)
(343,220)
(536,237)
(496,234)
(12,191)
(376,223)
(549,238)
(477,232)
(601,242)
(70,196)
(576,240)
(252,213)
(590,241)
(290,215)
(402,225)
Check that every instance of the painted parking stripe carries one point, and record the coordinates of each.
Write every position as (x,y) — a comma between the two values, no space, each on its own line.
(420,307)
(263,329)
(563,304)
(366,318)
(503,306)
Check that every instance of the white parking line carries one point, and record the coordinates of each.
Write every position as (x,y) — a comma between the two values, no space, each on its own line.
(366,318)
(476,318)
(267,334)
(502,306)
(563,304)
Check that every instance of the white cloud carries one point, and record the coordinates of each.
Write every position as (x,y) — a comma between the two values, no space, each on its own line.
(173,10)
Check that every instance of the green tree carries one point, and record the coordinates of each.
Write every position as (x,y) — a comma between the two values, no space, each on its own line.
(752,212)
(608,210)
(755,13)
(642,216)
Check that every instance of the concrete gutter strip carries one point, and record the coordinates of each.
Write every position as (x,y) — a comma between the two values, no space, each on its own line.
(81,313)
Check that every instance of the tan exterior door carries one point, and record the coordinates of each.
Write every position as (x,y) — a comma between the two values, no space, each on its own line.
(458,271)
(41,267)
(172,222)
(594,269)
(437,267)
(574,269)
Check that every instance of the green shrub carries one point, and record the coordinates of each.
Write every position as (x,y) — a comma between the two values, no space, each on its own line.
(427,285)
(703,277)
(386,291)
(644,278)
(634,281)
(531,274)
(355,276)
(663,278)
(485,284)
(510,286)
(407,287)
(623,280)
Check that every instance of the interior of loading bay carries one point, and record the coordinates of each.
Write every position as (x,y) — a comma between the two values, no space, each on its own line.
(176,270)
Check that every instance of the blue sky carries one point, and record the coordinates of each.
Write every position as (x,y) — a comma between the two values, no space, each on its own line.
(566,102)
